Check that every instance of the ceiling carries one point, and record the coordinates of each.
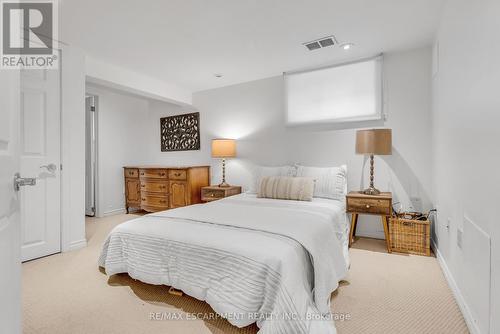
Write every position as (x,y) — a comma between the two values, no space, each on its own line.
(186,42)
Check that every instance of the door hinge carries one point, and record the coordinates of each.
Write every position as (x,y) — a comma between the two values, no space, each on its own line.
(60,167)
(92,108)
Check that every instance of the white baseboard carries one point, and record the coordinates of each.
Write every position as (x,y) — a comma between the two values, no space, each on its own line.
(114,212)
(473,328)
(74,245)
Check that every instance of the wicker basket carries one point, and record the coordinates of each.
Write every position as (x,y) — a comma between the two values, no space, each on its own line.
(410,236)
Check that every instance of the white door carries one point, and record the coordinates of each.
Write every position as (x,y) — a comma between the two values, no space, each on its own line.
(10,228)
(40,159)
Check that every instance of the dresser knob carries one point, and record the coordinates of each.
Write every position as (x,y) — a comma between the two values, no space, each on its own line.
(367,206)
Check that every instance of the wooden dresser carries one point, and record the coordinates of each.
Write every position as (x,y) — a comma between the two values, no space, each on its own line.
(161,188)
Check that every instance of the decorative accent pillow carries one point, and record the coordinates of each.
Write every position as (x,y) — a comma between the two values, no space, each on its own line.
(285,187)
(330,182)
(262,171)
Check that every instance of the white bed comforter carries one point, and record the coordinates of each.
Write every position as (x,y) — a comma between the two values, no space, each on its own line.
(253,260)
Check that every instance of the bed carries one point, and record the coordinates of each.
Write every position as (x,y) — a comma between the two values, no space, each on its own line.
(273,262)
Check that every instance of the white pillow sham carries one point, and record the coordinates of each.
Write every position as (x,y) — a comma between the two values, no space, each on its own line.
(330,182)
(262,171)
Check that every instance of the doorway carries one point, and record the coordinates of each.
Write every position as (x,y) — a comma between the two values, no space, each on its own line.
(91,155)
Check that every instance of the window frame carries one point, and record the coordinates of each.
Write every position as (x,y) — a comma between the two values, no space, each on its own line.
(380,115)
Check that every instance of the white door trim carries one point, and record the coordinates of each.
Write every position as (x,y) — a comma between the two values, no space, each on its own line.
(97,212)
(73,149)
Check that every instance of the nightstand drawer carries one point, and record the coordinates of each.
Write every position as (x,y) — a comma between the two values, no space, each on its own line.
(212,194)
(369,205)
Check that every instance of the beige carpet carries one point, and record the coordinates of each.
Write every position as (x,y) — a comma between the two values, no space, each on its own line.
(384,293)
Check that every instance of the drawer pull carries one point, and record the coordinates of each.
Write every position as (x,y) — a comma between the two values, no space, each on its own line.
(142,173)
(143,185)
(163,202)
(162,174)
(177,174)
(143,199)
(367,206)
(130,173)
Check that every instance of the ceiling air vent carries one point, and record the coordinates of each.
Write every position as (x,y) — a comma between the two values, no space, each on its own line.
(313,46)
(320,43)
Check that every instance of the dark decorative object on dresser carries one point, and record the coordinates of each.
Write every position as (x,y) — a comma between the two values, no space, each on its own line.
(180,132)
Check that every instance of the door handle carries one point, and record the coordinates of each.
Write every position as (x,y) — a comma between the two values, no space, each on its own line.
(23,181)
(51,168)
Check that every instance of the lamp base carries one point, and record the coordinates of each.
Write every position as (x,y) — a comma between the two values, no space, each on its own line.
(224,185)
(371,191)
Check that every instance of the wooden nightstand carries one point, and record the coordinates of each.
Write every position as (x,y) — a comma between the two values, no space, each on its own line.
(381,205)
(213,193)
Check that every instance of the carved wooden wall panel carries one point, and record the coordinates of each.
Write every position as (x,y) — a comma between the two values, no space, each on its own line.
(180,132)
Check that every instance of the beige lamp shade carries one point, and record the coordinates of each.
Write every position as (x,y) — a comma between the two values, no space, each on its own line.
(223,148)
(374,141)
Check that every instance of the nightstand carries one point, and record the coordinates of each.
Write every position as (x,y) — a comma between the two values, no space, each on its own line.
(361,204)
(213,193)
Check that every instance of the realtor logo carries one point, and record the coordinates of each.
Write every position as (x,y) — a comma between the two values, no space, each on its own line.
(29,34)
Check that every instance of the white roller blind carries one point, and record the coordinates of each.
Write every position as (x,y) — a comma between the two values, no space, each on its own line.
(344,93)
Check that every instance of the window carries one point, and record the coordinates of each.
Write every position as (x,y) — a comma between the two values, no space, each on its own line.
(342,93)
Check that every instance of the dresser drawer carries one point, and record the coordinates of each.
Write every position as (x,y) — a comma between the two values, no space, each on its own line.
(369,205)
(177,174)
(153,173)
(153,200)
(131,172)
(155,187)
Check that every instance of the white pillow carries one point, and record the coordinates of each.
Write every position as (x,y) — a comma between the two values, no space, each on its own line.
(330,182)
(262,171)
(286,187)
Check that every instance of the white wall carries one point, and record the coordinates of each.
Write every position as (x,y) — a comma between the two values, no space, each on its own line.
(466,137)
(121,141)
(117,77)
(159,109)
(253,113)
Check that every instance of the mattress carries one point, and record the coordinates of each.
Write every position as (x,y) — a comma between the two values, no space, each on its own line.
(273,262)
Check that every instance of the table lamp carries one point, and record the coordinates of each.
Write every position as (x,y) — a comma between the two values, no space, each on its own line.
(373,142)
(222,149)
